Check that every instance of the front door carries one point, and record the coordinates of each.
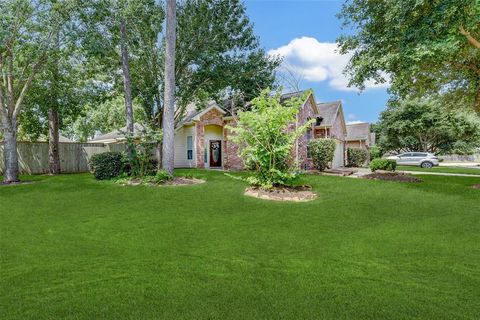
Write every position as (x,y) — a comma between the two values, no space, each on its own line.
(215,153)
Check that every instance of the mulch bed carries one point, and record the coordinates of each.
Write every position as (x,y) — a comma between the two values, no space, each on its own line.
(293,194)
(182,181)
(176,181)
(392,176)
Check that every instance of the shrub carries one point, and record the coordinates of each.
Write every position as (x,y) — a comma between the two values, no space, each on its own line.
(140,152)
(322,152)
(162,176)
(383,164)
(266,139)
(356,157)
(107,165)
(375,152)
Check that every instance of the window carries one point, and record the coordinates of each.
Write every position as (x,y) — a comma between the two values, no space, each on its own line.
(309,137)
(189,148)
(205,155)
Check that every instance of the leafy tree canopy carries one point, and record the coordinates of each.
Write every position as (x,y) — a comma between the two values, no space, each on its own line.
(423,46)
(426,125)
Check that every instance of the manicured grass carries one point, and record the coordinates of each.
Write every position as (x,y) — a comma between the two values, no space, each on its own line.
(72,247)
(441,169)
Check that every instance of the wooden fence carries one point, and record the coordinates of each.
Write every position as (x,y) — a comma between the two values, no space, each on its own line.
(33,156)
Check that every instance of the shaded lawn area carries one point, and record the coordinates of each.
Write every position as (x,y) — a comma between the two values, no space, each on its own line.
(72,247)
(441,169)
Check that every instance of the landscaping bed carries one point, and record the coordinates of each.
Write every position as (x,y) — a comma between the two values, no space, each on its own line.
(392,176)
(293,194)
(175,181)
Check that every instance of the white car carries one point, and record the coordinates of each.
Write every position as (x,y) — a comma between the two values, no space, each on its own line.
(423,159)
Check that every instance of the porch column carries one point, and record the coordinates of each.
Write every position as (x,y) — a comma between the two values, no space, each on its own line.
(200,144)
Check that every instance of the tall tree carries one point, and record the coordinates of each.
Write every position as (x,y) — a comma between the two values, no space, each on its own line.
(169,98)
(425,47)
(27,29)
(425,124)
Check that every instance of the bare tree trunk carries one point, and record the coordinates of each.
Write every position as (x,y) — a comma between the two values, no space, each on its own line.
(169,98)
(53,140)
(127,87)
(10,155)
(477,100)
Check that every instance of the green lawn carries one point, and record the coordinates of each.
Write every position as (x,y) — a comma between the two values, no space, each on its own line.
(75,248)
(441,169)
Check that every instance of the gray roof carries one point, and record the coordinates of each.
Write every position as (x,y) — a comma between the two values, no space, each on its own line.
(119,134)
(290,95)
(328,111)
(358,131)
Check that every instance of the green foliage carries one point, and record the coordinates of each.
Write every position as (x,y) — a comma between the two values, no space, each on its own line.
(424,47)
(141,147)
(356,157)
(322,151)
(383,164)
(426,125)
(162,176)
(107,165)
(103,117)
(265,140)
(376,152)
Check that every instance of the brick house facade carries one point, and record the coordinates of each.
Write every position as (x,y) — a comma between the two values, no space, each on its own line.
(202,139)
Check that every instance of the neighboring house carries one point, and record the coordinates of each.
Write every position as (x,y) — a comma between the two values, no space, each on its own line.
(117,136)
(201,137)
(359,136)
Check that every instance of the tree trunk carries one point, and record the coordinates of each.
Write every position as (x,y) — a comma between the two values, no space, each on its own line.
(127,87)
(477,100)
(169,98)
(53,139)
(10,152)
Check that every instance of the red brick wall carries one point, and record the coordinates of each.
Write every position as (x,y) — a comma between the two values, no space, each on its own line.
(232,161)
(308,111)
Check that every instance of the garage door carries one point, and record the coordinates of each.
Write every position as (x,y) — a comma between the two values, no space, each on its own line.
(338,157)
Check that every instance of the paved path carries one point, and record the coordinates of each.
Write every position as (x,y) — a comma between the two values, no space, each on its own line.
(364,171)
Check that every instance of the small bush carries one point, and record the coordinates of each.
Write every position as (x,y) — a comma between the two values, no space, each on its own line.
(356,157)
(375,152)
(322,152)
(107,165)
(383,164)
(162,176)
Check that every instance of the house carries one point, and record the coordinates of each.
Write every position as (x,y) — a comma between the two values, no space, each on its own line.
(359,135)
(201,139)
(331,124)
(117,136)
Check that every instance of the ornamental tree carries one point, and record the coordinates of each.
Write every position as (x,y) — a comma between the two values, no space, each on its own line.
(266,138)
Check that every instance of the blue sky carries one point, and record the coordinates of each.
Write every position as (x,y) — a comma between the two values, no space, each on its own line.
(304,33)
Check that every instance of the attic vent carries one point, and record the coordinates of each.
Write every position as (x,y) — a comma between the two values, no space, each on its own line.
(319,121)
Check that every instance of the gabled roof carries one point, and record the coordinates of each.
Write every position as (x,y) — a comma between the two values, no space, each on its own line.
(328,111)
(118,134)
(358,131)
(195,115)
(299,94)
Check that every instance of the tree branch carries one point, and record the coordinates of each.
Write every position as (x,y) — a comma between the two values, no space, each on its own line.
(469,37)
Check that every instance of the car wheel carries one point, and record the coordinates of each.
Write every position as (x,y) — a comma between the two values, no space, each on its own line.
(427,165)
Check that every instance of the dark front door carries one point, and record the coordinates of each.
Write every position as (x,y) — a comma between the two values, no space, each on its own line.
(215,153)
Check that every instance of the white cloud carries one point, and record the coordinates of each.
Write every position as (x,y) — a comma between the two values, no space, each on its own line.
(355,122)
(316,61)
